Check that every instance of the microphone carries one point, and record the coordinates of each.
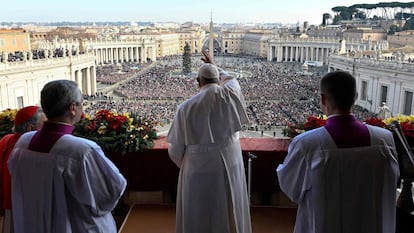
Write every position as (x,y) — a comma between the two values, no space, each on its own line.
(395,125)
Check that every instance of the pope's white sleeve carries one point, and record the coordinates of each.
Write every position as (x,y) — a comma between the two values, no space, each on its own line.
(176,153)
(293,173)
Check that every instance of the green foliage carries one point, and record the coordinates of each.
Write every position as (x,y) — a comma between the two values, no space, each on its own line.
(187,59)
(409,24)
(358,11)
(118,132)
(393,29)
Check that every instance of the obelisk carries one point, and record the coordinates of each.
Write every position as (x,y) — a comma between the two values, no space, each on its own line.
(211,38)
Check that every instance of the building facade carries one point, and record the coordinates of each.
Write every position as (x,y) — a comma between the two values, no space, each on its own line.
(22,81)
(12,40)
(405,38)
(380,81)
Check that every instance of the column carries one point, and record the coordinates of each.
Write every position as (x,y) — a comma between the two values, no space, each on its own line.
(121,55)
(279,53)
(78,77)
(286,53)
(116,55)
(99,55)
(105,55)
(93,79)
(137,54)
(144,54)
(317,54)
(306,53)
(311,53)
(297,53)
(269,53)
(301,54)
(111,55)
(88,81)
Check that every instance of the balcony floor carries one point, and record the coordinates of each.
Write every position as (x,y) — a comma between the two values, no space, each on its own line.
(160,218)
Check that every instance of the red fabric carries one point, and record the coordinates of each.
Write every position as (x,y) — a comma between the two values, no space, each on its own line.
(6,146)
(153,170)
(24,114)
(247,144)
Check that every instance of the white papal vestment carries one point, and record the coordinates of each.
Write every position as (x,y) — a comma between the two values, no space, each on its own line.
(204,143)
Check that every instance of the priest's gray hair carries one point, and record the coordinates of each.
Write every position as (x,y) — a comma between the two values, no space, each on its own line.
(56,96)
(22,128)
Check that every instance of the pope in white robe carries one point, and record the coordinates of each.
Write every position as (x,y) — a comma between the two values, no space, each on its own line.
(204,143)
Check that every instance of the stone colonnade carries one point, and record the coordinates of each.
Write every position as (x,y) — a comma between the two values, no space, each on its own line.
(22,81)
(379,81)
(316,49)
(86,79)
(119,51)
(298,53)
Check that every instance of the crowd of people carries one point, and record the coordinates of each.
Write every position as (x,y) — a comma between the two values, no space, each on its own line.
(114,73)
(276,93)
(18,56)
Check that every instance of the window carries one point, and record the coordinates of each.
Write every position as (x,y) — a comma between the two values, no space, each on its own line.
(20,102)
(364,86)
(384,93)
(14,42)
(408,101)
(1,43)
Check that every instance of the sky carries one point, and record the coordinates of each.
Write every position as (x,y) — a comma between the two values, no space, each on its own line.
(197,11)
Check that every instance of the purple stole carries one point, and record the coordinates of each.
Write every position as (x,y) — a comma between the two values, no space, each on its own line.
(347,131)
(48,135)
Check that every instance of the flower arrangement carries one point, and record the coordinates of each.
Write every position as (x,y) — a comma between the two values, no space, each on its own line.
(312,122)
(7,121)
(117,132)
(406,123)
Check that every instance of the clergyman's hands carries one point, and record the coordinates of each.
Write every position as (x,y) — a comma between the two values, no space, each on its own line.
(207,58)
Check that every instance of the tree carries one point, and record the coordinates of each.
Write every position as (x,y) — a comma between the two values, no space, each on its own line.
(187,59)
(393,29)
(409,25)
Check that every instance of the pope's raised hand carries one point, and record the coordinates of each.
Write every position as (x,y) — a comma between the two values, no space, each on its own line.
(207,58)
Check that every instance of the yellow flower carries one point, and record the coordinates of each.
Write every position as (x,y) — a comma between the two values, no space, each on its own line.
(102,129)
(118,132)
(400,118)
(8,114)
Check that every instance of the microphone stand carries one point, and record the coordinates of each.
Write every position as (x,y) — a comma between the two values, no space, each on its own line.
(405,200)
(249,174)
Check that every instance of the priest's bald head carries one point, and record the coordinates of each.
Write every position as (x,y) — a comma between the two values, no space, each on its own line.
(207,73)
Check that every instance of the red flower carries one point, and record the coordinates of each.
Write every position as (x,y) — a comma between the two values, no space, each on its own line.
(408,129)
(314,122)
(114,132)
(91,126)
(375,121)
